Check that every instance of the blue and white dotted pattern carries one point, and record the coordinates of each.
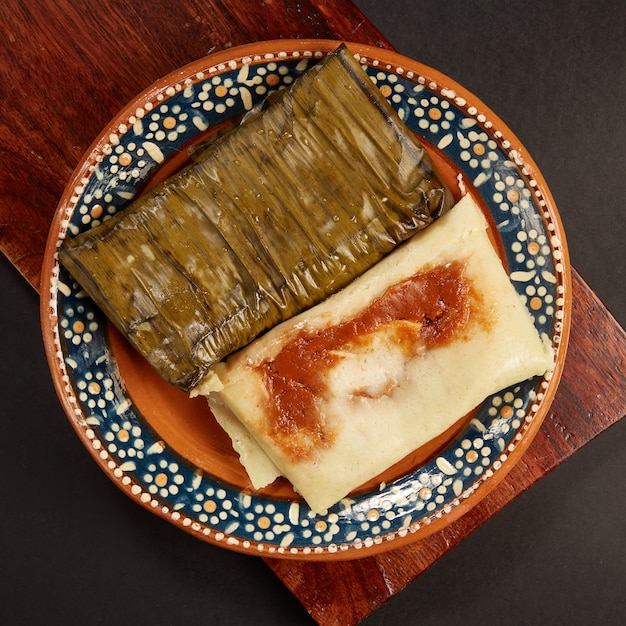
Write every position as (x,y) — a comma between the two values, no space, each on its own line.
(148,468)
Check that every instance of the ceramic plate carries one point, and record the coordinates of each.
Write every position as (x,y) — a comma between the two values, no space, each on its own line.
(165,450)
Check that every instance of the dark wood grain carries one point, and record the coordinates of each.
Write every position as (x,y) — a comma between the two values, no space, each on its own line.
(68,67)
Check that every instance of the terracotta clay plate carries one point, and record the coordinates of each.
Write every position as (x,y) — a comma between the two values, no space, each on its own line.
(165,450)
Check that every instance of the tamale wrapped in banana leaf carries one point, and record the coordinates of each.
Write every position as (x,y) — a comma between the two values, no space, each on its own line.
(304,195)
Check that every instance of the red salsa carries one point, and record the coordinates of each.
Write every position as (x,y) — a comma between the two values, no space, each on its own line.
(436,303)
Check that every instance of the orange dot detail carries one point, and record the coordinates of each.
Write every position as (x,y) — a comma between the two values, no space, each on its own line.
(264,522)
(160,479)
(479,149)
(373,515)
(97,210)
(425,493)
(535,303)
(434,114)
(385,90)
(512,195)
(506,412)
(210,506)
(533,247)
(221,91)
(272,80)
(472,456)
(78,326)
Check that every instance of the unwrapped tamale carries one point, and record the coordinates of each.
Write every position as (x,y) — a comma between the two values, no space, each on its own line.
(339,393)
(303,196)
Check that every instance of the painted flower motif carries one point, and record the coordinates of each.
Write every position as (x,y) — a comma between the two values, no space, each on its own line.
(76,329)
(478,150)
(511,194)
(124,438)
(163,478)
(506,413)
(326,529)
(434,114)
(474,455)
(166,124)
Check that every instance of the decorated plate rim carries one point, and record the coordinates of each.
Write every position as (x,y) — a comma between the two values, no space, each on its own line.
(361,540)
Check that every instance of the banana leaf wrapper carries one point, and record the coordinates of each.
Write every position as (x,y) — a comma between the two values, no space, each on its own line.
(305,194)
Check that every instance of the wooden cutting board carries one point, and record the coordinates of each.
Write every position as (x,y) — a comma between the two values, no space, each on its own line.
(46,131)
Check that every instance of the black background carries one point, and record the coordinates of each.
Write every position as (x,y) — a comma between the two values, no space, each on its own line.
(75,550)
